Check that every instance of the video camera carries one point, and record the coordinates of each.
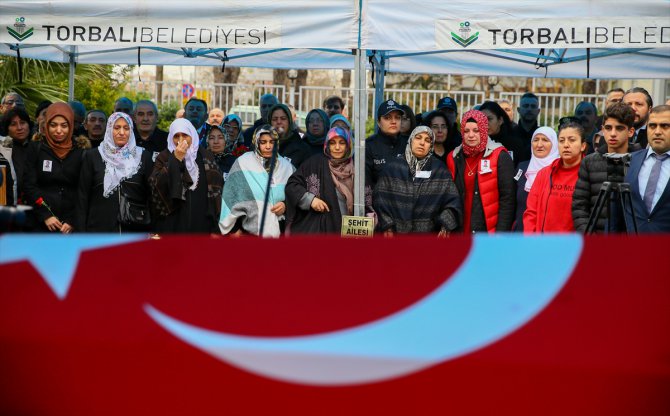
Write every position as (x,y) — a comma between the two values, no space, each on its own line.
(617,166)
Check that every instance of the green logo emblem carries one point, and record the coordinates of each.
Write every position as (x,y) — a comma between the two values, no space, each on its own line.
(20,32)
(465,39)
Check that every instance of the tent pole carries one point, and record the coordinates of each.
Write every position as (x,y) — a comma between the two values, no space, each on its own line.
(380,71)
(360,116)
(70,89)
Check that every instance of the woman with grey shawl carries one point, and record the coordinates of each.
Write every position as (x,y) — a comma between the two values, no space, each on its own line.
(416,194)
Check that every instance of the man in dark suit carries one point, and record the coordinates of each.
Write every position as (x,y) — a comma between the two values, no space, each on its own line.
(648,176)
(640,100)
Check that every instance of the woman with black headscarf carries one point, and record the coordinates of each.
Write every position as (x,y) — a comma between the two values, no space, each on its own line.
(501,131)
(291,145)
(317,127)
(415,193)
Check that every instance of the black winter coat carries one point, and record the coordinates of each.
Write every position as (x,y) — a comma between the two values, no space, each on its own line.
(295,149)
(593,171)
(521,195)
(98,214)
(380,149)
(54,180)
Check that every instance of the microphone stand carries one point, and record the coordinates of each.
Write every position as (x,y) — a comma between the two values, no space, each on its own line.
(273,162)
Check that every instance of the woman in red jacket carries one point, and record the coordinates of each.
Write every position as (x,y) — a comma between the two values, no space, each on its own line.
(549,206)
(484,175)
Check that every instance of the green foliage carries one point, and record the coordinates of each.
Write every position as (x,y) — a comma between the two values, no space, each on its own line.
(95,85)
(166,114)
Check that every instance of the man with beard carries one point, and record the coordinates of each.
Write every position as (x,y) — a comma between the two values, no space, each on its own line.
(266,102)
(95,124)
(333,105)
(147,135)
(640,101)
(529,111)
(649,175)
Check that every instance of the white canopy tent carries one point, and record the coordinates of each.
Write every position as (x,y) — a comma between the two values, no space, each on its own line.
(578,38)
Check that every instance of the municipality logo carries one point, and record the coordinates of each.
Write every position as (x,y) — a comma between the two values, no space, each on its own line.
(465,39)
(20,32)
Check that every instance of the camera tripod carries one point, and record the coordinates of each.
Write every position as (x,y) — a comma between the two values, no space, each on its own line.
(623,201)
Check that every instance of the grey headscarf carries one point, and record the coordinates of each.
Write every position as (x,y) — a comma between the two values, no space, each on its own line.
(415,164)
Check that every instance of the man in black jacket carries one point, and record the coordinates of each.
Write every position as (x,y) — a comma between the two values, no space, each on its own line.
(529,111)
(266,102)
(618,130)
(387,143)
(641,103)
(147,135)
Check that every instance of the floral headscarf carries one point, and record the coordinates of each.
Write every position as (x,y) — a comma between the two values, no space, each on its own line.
(230,144)
(61,149)
(341,170)
(182,125)
(265,161)
(483,124)
(120,162)
(537,163)
(414,163)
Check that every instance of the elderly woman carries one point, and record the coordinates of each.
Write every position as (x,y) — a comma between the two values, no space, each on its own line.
(484,176)
(415,194)
(244,193)
(549,205)
(544,148)
(223,147)
(321,191)
(233,125)
(185,184)
(52,171)
(317,128)
(113,191)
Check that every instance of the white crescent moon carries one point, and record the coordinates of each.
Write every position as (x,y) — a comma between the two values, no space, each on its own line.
(504,282)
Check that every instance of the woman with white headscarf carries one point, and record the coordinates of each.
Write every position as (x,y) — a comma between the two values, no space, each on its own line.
(185,184)
(114,175)
(544,148)
(415,194)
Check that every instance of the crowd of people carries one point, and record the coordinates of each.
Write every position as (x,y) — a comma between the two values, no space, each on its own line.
(435,173)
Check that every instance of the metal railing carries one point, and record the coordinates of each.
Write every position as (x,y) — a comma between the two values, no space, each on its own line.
(243,99)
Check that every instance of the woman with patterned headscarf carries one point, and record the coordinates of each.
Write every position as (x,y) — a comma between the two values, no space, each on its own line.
(117,166)
(321,191)
(246,186)
(52,171)
(415,194)
(233,125)
(185,184)
(484,175)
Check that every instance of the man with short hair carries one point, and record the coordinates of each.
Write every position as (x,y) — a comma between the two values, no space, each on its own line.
(196,112)
(123,105)
(529,111)
(147,135)
(216,117)
(587,113)
(266,102)
(649,175)
(640,100)
(615,95)
(95,124)
(618,130)
(333,105)
(11,100)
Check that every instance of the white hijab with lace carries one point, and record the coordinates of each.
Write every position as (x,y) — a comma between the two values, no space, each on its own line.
(120,162)
(181,125)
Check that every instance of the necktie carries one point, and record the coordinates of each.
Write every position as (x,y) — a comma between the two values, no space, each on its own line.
(653,180)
